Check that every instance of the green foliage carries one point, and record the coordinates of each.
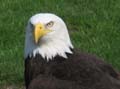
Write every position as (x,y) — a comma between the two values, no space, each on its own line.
(94,26)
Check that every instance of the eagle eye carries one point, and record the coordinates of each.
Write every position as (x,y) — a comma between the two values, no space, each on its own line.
(50,24)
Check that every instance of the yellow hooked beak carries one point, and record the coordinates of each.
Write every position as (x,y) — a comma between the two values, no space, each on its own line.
(40,31)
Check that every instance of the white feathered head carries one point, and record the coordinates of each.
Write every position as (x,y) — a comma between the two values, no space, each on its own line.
(47,35)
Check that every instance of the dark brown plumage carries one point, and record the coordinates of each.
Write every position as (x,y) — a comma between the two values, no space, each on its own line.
(79,71)
(49,82)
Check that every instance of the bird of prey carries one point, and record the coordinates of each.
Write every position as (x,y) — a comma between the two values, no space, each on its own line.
(51,61)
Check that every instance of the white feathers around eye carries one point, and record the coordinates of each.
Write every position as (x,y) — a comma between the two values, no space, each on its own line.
(52,44)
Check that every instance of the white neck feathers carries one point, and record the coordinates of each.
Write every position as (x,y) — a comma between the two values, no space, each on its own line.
(49,49)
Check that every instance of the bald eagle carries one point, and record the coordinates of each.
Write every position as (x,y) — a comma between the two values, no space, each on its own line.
(51,61)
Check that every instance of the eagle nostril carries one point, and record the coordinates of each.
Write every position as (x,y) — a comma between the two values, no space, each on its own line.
(40,27)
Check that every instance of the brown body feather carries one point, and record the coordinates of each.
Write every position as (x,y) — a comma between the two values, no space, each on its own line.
(79,71)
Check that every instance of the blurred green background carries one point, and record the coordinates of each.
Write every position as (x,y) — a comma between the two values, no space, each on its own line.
(94,27)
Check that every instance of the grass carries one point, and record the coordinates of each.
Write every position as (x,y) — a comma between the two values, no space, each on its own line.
(94,26)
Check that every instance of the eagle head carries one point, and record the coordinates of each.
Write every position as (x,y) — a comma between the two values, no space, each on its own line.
(47,35)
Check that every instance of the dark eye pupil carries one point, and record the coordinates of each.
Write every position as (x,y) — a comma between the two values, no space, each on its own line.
(49,24)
